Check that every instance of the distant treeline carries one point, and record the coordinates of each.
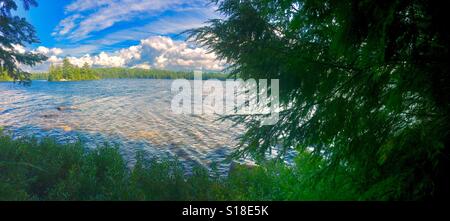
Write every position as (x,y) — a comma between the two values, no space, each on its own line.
(112,73)
(70,72)
(39,76)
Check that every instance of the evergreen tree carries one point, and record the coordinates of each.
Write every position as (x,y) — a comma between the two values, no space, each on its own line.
(364,85)
(70,72)
(86,71)
(15,31)
(51,73)
(67,69)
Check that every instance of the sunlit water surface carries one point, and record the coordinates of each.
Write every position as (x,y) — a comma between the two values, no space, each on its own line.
(134,114)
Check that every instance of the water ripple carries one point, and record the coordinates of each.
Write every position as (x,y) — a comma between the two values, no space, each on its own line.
(133,114)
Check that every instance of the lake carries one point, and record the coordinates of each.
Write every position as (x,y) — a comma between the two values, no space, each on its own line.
(134,114)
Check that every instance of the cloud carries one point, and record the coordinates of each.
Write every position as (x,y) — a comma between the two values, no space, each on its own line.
(86,17)
(83,5)
(164,53)
(79,61)
(17,48)
(80,49)
(48,51)
(142,66)
(163,26)
(66,25)
(55,60)
(154,52)
(52,54)
(106,60)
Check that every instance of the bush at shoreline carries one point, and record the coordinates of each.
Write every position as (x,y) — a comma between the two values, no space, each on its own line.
(44,170)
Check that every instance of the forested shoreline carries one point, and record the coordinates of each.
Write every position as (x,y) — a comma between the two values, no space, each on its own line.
(70,72)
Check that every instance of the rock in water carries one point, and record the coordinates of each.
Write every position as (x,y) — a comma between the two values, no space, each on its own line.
(63,108)
(66,128)
(49,115)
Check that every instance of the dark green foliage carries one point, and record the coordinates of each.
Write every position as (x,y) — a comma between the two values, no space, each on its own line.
(45,170)
(112,73)
(70,72)
(39,76)
(14,31)
(364,84)
(32,170)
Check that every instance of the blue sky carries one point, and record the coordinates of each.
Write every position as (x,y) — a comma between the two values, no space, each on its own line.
(131,33)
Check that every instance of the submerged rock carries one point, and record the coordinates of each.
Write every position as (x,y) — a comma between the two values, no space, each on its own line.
(66,128)
(64,108)
(49,115)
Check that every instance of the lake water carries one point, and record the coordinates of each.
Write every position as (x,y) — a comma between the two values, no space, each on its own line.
(134,114)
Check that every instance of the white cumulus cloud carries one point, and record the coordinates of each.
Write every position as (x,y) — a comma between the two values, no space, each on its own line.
(49,51)
(155,52)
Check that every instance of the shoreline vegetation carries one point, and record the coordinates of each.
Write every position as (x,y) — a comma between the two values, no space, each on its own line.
(70,72)
(5,77)
(45,170)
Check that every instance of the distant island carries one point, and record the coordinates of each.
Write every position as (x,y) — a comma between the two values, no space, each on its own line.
(70,72)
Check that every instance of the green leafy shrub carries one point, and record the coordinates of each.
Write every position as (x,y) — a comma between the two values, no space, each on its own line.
(45,170)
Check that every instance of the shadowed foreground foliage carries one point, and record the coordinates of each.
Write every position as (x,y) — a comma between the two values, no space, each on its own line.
(364,83)
(32,170)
